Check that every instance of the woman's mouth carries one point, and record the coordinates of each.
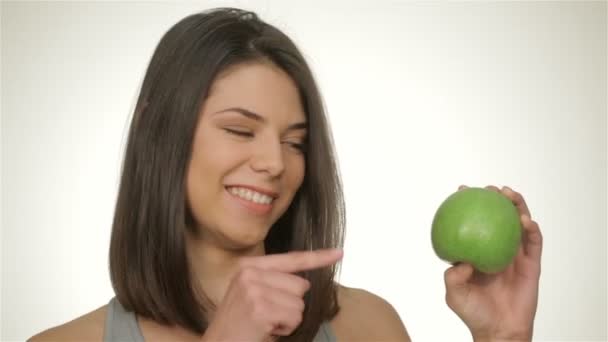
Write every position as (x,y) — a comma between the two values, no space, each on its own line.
(254,202)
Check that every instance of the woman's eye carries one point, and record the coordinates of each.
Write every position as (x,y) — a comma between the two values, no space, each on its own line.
(299,147)
(239,133)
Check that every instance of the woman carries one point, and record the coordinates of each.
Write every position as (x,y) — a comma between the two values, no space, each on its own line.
(230,209)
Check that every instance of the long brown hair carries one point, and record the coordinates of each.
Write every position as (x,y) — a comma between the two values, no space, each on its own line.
(149,267)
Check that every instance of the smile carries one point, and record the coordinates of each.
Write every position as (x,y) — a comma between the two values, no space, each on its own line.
(250,195)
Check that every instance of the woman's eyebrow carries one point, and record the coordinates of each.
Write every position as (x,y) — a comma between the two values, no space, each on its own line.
(257,117)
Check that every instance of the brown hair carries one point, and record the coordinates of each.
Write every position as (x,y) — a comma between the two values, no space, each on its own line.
(149,268)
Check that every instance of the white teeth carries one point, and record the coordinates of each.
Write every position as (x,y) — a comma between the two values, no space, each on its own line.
(250,195)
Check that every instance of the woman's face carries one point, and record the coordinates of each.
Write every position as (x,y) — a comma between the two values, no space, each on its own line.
(246,163)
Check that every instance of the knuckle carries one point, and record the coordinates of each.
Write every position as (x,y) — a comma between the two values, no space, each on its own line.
(493,188)
(513,194)
(260,309)
(297,319)
(301,306)
(540,236)
(268,326)
(255,294)
(446,273)
(448,300)
(292,322)
(304,286)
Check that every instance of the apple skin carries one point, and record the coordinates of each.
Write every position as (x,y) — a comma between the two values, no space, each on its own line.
(477,226)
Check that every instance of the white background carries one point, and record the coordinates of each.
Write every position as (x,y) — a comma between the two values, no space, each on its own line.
(422,97)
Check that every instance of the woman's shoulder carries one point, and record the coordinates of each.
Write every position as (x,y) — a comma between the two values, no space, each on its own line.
(365,316)
(88,327)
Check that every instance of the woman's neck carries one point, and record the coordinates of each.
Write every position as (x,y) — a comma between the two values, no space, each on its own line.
(214,267)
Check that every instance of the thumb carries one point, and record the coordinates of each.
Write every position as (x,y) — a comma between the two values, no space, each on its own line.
(456,279)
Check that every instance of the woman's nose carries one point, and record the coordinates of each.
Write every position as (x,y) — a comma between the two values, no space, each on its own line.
(269,158)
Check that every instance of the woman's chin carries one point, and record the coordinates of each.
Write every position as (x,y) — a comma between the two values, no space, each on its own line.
(247,241)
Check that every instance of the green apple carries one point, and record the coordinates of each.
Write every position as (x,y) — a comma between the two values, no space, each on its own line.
(477,226)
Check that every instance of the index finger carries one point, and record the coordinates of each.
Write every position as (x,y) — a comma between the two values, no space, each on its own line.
(297,261)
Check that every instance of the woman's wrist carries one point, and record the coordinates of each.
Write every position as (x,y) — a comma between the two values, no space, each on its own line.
(524,334)
(515,338)
(497,340)
(492,339)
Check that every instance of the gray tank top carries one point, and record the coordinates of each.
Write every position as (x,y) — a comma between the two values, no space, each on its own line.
(121,326)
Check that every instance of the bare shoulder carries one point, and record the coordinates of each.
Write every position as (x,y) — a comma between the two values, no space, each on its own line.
(365,316)
(88,327)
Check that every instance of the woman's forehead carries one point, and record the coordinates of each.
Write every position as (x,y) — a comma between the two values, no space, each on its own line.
(259,87)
